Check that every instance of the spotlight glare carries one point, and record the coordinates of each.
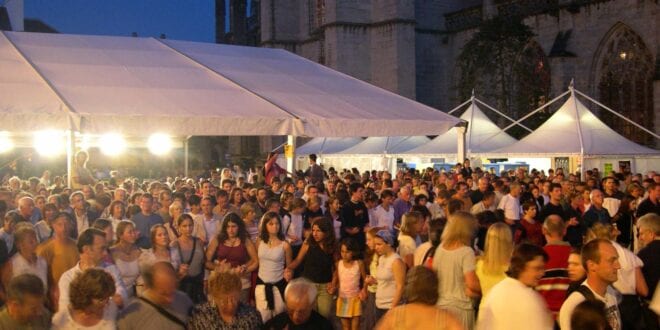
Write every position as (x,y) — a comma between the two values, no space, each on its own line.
(112,144)
(5,142)
(159,144)
(49,143)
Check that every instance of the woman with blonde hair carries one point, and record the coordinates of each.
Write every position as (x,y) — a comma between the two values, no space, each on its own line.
(455,264)
(411,224)
(491,267)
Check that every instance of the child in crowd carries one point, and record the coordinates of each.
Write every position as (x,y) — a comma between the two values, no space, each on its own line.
(249,216)
(350,273)
(293,229)
(532,230)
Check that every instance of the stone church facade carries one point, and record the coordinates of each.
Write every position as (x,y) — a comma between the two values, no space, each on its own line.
(411,47)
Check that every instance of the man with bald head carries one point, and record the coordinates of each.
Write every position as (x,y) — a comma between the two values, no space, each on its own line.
(161,306)
(597,212)
(300,296)
(26,209)
(483,185)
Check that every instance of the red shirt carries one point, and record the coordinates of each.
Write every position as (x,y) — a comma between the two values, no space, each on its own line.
(555,282)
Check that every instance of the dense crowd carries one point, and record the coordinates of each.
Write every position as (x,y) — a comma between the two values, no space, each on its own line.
(321,249)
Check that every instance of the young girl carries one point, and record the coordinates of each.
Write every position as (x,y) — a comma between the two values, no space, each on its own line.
(350,272)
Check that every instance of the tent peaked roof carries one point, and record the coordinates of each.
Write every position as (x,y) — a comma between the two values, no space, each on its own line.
(321,145)
(329,103)
(562,132)
(482,136)
(388,145)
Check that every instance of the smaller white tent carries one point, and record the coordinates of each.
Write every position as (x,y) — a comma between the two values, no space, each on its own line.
(385,145)
(575,131)
(374,153)
(322,145)
(482,136)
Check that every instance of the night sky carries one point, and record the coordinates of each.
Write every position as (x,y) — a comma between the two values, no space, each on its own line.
(178,19)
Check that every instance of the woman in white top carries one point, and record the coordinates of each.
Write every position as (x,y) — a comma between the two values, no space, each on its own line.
(26,260)
(454,262)
(90,303)
(390,274)
(125,255)
(160,251)
(411,224)
(274,256)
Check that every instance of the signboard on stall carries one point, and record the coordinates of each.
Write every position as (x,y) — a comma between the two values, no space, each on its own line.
(607,169)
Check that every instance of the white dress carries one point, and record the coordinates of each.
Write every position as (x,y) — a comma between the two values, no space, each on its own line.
(20,265)
(129,271)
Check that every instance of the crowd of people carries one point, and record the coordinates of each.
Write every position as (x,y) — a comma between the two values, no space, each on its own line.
(321,249)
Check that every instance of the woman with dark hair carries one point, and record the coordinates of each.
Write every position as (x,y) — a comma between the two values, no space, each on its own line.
(318,254)
(191,253)
(160,251)
(43,228)
(232,249)
(90,303)
(424,253)
(117,213)
(420,311)
(236,198)
(274,255)
(590,315)
(623,220)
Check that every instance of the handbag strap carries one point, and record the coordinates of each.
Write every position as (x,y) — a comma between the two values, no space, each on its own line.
(164,312)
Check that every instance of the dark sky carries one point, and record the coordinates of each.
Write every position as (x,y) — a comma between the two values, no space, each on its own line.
(178,19)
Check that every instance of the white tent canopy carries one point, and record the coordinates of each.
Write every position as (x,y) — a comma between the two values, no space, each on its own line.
(574,130)
(482,136)
(138,86)
(321,145)
(384,145)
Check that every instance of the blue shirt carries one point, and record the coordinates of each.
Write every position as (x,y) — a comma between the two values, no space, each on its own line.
(143,224)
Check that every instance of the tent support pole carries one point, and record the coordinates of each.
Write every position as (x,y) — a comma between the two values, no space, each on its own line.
(460,150)
(70,155)
(186,157)
(290,161)
(619,115)
(501,114)
(579,129)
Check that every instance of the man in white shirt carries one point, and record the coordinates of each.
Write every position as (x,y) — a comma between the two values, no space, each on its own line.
(208,223)
(383,216)
(510,204)
(526,269)
(93,249)
(601,261)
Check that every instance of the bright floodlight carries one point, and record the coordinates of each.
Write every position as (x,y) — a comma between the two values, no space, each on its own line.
(112,144)
(5,142)
(49,143)
(159,144)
